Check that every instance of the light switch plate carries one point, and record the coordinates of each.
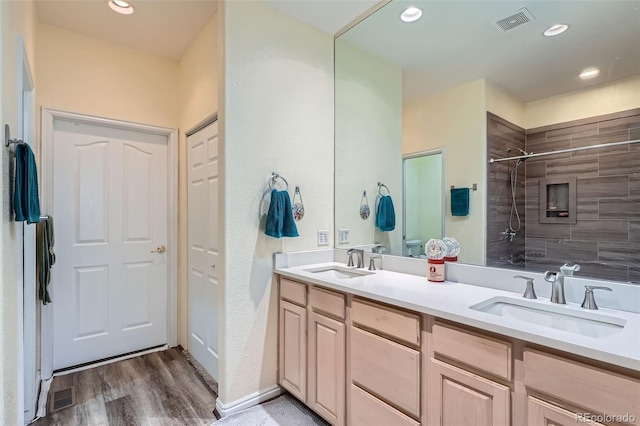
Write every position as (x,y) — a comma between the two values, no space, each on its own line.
(323,238)
(343,236)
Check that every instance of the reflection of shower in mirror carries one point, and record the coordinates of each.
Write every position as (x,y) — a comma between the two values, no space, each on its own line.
(512,230)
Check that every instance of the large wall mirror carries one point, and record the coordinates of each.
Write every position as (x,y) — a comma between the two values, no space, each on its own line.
(422,107)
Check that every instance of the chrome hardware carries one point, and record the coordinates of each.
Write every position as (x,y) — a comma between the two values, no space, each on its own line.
(372,262)
(589,301)
(379,249)
(359,254)
(159,249)
(530,292)
(557,282)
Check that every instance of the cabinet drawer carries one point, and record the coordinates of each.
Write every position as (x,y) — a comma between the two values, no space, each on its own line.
(541,413)
(483,353)
(293,292)
(387,369)
(367,410)
(395,323)
(597,390)
(326,301)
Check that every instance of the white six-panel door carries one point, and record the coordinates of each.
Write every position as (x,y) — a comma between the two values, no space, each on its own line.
(203,246)
(110,207)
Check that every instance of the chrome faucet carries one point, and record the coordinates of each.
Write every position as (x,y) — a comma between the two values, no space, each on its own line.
(379,249)
(557,282)
(359,254)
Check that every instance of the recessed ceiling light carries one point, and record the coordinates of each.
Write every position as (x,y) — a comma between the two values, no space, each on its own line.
(556,29)
(589,73)
(121,6)
(411,14)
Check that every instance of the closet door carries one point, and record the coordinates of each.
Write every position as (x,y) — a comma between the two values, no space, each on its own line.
(203,246)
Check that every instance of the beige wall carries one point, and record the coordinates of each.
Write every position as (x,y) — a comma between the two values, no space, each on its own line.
(16,18)
(505,105)
(455,120)
(620,95)
(276,116)
(198,87)
(368,143)
(82,74)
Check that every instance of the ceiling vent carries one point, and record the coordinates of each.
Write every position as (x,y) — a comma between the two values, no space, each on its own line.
(513,20)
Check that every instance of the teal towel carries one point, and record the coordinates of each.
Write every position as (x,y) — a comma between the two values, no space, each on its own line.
(26,203)
(45,257)
(280,221)
(460,202)
(386,214)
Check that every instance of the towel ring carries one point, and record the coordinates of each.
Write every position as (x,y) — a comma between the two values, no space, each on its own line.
(274,178)
(382,185)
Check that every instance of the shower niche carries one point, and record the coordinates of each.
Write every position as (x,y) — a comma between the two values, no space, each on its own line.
(558,200)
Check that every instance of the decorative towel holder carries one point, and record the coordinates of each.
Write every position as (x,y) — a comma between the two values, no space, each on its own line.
(7,137)
(297,207)
(474,187)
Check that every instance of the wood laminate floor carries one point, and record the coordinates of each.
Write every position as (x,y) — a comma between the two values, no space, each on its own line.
(156,389)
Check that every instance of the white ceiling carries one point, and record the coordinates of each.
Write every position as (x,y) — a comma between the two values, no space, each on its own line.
(162,27)
(455,42)
(329,16)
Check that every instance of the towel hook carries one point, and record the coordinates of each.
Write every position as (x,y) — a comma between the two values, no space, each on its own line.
(7,137)
(274,178)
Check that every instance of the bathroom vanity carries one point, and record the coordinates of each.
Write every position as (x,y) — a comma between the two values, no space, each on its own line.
(389,348)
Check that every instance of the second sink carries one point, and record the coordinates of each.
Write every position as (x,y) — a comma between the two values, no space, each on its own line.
(563,318)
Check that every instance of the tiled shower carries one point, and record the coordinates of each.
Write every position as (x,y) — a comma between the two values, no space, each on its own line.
(604,235)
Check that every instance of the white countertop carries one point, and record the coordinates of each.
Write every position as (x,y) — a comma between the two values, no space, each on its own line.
(451,301)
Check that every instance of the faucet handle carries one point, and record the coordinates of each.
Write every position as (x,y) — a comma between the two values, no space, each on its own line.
(569,270)
(350,254)
(589,301)
(530,292)
(372,262)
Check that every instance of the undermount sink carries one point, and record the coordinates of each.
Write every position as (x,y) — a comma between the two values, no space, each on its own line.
(339,272)
(561,317)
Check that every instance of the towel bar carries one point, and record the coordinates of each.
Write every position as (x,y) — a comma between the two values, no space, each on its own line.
(274,177)
(474,187)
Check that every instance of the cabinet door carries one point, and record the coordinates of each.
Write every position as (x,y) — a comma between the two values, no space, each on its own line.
(292,362)
(327,359)
(542,413)
(460,398)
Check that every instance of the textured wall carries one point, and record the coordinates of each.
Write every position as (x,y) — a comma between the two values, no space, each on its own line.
(83,74)
(455,119)
(198,88)
(276,115)
(16,18)
(368,143)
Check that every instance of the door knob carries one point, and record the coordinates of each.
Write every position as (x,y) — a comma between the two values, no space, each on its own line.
(159,249)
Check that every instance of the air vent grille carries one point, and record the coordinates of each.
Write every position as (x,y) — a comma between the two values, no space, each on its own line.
(514,20)
(63,398)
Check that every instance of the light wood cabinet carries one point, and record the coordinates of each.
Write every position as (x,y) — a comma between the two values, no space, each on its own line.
(292,362)
(458,398)
(326,368)
(542,413)
(357,362)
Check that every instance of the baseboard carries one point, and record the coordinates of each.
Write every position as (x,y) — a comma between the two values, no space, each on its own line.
(248,401)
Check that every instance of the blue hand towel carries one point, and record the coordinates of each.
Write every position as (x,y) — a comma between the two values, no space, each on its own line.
(280,221)
(26,203)
(386,214)
(460,202)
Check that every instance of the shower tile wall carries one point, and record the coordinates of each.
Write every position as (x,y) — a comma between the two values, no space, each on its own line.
(503,140)
(605,241)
